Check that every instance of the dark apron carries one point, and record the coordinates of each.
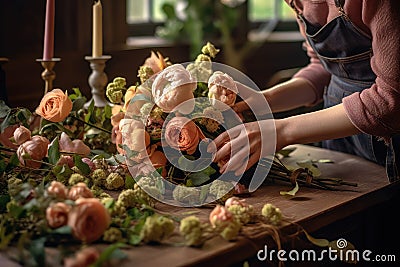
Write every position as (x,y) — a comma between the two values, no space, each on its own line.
(350,68)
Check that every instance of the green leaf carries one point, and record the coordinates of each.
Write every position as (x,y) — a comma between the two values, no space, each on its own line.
(286,151)
(54,151)
(37,251)
(107,111)
(4,199)
(129,182)
(4,109)
(199,178)
(317,241)
(135,239)
(78,103)
(204,192)
(308,164)
(3,166)
(291,192)
(14,162)
(6,122)
(63,230)
(82,166)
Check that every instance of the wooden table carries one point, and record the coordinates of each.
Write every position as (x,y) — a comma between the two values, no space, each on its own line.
(325,214)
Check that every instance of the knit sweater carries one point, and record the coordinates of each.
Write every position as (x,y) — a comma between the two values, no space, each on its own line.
(375,110)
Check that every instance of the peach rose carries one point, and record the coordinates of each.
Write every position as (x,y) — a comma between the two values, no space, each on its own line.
(6,135)
(158,160)
(33,151)
(57,189)
(83,258)
(222,88)
(183,134)
(156,62)
(76,146)
(220,216)
(143,92)
(55,106)
(21,135)
(134,135)
(57,214)
(79,190)
(88,219)
(173,86)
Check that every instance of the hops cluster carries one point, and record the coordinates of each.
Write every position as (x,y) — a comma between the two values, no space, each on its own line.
(116,89)
(192,230)
(272,213)
(156,228)
(221,190)
(184,194)
(114,181)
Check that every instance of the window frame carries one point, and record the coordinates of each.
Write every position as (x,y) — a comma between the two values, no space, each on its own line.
(146,29)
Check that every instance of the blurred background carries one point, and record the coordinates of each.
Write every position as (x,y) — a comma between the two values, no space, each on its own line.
(258,37)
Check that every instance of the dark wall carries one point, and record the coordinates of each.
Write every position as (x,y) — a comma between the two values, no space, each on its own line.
(21,41)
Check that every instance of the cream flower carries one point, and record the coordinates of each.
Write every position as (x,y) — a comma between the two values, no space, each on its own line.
(222,90)
(173,86)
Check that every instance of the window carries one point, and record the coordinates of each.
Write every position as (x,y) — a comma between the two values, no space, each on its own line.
(144,16)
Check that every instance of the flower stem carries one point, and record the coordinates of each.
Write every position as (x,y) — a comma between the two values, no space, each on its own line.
(91,125)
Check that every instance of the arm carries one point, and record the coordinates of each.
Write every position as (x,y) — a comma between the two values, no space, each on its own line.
(315,126)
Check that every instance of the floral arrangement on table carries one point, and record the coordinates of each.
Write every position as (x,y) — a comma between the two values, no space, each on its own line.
(86,176)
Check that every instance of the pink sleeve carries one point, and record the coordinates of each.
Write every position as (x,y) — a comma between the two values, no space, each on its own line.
(376,110)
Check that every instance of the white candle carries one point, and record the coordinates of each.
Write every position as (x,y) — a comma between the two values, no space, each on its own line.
(97,42)
(48,48)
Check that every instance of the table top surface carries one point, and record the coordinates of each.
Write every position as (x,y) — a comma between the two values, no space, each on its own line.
(311,208)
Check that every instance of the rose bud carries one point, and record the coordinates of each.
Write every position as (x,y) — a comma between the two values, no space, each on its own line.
(33,151)
(57,189)
(79,190)
(21,135)
(57,214)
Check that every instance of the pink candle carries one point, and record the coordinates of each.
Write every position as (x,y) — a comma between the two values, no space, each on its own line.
(48,50)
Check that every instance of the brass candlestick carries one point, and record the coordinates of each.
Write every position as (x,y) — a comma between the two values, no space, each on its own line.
(48,75)
(98,80)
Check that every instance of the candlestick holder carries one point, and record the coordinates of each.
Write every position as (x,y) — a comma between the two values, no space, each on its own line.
(98,80)
(48,75)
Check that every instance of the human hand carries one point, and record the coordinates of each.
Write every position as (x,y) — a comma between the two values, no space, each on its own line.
(240,147)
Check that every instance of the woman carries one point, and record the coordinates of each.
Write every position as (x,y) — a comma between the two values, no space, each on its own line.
(354,49)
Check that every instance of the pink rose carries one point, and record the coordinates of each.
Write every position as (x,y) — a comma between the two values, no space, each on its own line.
(76,146)
(183,134)
(88,219)
(55,106)
(57,214)
(57,189)
(220,216)
(173,86)
(223,88)
(21,135)
(6,135)
(83,258)
(79,190)
(33,151)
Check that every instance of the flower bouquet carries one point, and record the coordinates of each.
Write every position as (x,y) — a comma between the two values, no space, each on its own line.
(81,176)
